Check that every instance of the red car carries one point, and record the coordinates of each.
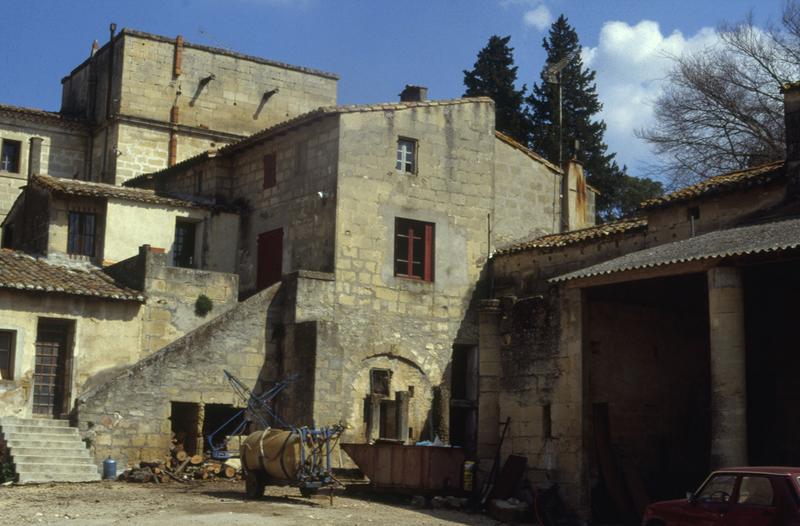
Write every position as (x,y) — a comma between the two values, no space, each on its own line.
(753,496)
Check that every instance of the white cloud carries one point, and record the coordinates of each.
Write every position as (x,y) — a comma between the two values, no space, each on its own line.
(538,17)
(631,62)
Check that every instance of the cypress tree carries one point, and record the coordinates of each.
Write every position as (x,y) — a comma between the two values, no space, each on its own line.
(494,75)
(619,192)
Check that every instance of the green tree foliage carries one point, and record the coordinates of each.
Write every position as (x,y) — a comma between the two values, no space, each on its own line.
(494,75)
(620,193)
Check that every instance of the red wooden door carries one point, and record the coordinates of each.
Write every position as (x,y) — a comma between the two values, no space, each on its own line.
(270,258)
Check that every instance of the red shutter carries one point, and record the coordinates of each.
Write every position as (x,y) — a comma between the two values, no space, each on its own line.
(428,253)
(270,258)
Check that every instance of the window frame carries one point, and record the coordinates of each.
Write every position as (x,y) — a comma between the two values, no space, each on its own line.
(402,163)
(269,171)
(81,236)
(179,241)
(17,162)
(407,231)
(742,479)
(12,351)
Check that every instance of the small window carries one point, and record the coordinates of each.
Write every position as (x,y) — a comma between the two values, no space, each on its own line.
(756,491)
(7,355)
(183,252)
(380,382)
(270,170)
(693,212)
(9,157)
(413,249)
(406,155)
(81,233)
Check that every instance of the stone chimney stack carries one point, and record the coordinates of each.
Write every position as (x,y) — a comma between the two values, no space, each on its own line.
(791,115)
(412,93)
(35,157)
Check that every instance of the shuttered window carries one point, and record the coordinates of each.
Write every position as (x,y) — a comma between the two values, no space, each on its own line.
(413,249)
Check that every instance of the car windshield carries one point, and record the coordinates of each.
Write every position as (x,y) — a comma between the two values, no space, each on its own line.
(719,488)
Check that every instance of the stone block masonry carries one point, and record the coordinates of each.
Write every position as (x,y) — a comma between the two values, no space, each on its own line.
(128,417)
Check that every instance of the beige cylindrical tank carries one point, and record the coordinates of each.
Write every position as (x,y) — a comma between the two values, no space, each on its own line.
(275,452)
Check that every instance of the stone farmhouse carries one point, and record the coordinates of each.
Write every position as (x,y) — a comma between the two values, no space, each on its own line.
(633,357)
(345,244)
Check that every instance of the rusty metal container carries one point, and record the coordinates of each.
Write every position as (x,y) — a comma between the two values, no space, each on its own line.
(410,469)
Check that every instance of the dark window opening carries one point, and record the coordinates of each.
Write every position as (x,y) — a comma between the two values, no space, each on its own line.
(270,170)
(81,232)
(413,249)
(693,212)
(380,381)
(183,254)
(388,423)
(185,426)
(8,237)
(218,419)
(406,155)
(7,355)
(9,156)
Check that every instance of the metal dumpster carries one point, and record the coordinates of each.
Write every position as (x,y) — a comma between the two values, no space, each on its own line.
(410,469)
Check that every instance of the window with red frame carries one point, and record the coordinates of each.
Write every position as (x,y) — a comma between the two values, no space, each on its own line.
(270,167)
(413,249)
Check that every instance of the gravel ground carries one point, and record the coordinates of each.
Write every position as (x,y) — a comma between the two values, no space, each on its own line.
(207,503)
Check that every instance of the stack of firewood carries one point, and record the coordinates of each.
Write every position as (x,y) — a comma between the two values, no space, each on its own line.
(181,467)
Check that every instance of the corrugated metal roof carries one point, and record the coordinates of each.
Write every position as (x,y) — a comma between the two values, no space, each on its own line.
(739,241)
(26,273)
(614,228)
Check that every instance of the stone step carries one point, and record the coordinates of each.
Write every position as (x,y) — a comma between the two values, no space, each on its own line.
(38,441)
(44,457)
(43,422)
(11,429)
(52,452)
(41,478)
(60,468)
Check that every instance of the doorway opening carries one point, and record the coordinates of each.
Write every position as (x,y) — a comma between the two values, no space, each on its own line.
(52,372)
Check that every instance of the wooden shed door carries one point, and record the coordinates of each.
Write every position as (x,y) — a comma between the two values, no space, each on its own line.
(50,376)
(270,258)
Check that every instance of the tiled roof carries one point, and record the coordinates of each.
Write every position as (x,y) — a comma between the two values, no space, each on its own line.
(721,183)
(88,189)
(745,240)
(623,226)
(527,151)
(303,119)
(42,116)
(23,272)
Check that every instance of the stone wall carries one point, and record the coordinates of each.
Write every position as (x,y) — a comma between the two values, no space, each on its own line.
(129,416)
(171,296)
(303,202)
(63,153)
(105,335)
(526,194)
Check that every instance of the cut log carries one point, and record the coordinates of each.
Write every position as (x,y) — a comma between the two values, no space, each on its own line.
(196,460)
(181,455)
(228,472)
(182,466)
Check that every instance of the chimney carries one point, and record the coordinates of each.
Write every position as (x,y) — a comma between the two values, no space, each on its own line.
(575,198)
(95,47)
(35,157)
(412,93)
(791,115)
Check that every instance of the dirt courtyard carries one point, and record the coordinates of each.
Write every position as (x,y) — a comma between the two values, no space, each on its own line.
(206,503)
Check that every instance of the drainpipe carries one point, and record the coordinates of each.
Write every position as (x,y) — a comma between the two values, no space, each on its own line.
(112,30)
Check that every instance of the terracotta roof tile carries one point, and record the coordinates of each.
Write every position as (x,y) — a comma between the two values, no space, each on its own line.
(721,183)
(88,189)
(623,226)
(43,116)
(23,272)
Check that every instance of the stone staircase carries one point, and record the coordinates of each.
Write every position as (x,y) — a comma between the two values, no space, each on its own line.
(44,450)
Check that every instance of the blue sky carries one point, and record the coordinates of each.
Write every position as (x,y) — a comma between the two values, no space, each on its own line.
(378,46)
